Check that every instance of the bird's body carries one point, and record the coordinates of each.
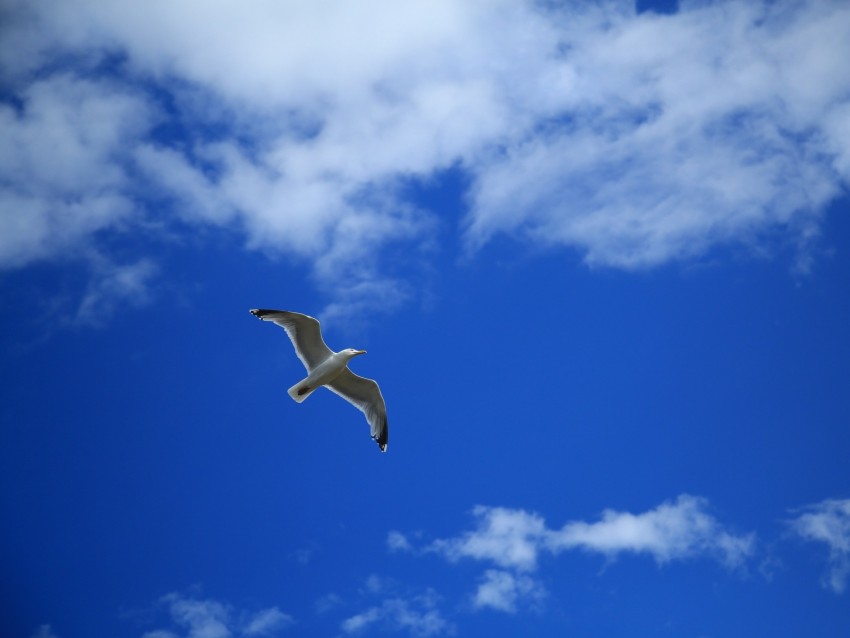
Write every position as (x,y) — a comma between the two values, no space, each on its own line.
(324,373)
(330,369)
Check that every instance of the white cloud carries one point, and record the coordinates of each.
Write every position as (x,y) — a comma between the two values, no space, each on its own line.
(501,590)
(66,178)
(683,131)
(396,542)
(209,618)
(203,618)
(113,285)
(374,584)
(327,603)
(828,522)
(512,538)
(418,615)
(267,622)
(506,537)
(671,531)
(359,621)
(63,174)
(44,631)
(634,139)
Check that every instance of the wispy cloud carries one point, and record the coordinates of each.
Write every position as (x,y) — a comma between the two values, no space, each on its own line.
(633,139)
(267,622)
(501,590)
(828,522)
(327,603)
(113,286)
(202,618)
(209,618)
(396,541)
(359,621)
(419,614)
(44,631)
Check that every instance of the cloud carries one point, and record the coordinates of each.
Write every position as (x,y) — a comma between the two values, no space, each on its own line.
(327,603)
(415,613)
(418,615)
(501,590)
(678,133)
(672,531)
(514,539)
(396,541)
(203,618)
(267,622)
(828,522)
(634,139)
(507,537)
(209,618)
(359,621)
(63,166)
(113,285)
(44,631)
(66,179)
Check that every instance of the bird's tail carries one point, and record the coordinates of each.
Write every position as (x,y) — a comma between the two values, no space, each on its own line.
(301,390)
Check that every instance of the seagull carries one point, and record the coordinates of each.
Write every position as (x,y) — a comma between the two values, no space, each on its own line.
(330,369)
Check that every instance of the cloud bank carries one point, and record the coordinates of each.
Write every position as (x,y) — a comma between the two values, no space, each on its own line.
(633,139)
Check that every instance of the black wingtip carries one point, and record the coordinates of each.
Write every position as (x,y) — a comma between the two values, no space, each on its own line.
(259,313)
(383,439)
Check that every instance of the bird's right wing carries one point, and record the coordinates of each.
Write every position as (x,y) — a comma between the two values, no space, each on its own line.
(304,332)
(365,395)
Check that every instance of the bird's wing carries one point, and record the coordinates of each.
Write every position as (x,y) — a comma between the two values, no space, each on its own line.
(304,332)
(365,395)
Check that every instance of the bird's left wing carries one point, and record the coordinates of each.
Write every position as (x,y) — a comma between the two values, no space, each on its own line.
(365,395)
(304,332)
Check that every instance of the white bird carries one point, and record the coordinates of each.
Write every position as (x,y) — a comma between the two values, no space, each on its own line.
(330,369)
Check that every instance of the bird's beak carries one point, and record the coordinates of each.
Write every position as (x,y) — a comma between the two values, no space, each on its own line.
(361,352)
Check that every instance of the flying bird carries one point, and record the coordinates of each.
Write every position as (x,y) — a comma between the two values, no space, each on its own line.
(330,369)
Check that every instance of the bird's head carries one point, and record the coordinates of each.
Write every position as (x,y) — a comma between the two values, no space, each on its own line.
(351,352)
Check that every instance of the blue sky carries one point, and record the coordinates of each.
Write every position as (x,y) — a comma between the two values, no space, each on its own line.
(597,253)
